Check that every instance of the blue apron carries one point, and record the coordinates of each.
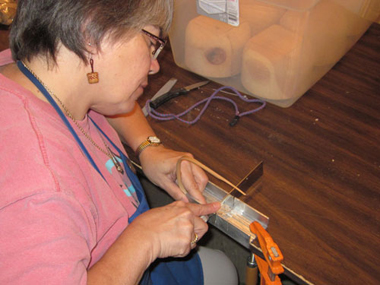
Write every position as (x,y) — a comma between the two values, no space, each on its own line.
(168,271)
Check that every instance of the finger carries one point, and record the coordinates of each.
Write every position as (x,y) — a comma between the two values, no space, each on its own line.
(173,190)
(200,176)
(204,209)
(200,227)
(196,238)
(193,179)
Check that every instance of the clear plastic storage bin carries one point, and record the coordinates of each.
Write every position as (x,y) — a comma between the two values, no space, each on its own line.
(279,48)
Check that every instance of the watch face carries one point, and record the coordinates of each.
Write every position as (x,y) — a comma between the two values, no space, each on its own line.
(154,139)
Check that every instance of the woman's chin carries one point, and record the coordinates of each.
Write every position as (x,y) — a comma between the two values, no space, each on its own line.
(116,110)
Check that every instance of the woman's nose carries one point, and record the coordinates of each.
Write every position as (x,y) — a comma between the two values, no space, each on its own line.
(154,67)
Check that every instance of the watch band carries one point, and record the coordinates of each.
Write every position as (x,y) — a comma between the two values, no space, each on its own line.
(150,141)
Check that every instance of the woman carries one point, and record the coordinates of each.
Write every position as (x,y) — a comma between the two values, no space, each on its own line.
(71,210)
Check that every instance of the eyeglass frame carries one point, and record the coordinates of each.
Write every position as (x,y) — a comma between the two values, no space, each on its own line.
(160,40)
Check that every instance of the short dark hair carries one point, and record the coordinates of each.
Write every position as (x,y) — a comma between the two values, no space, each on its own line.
(41,25)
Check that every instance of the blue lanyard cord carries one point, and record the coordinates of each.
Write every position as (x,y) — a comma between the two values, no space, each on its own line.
(132,176)
(39,85)
(123,157)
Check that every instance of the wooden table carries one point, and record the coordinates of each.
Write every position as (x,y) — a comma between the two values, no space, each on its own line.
(321,182)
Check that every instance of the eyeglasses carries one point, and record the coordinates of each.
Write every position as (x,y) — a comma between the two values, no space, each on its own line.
(158,44)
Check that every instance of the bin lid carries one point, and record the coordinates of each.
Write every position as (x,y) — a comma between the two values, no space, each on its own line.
(300,5)
(367,9)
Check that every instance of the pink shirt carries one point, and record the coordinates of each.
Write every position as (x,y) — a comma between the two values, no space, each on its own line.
(57,214)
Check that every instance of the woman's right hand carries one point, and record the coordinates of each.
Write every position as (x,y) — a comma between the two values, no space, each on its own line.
(158,233)
(172,228)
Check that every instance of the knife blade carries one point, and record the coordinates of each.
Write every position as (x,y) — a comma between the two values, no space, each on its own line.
(163,90)
(175,93)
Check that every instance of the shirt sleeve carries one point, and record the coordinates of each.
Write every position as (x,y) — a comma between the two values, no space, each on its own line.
(46,238)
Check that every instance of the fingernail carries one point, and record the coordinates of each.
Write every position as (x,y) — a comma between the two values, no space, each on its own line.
(217,205)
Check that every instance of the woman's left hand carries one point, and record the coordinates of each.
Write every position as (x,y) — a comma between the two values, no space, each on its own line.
(159,165)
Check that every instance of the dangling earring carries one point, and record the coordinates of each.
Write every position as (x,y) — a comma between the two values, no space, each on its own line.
(92,77)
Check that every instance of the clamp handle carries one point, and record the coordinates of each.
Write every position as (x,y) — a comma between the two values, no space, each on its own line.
(271,266)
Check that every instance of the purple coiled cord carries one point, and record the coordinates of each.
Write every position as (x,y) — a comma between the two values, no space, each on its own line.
(166,117)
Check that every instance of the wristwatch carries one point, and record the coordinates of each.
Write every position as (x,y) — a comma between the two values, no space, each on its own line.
(150,141)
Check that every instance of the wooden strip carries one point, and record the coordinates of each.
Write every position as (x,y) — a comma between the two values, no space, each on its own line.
(204,167)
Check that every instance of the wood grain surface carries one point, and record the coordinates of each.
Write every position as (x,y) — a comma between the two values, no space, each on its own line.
(321,182)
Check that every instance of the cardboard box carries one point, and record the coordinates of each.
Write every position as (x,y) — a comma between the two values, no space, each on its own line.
(275,49)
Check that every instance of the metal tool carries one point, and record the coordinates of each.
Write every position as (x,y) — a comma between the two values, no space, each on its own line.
(270,266)
(234,216)
(163,90)
(175,93)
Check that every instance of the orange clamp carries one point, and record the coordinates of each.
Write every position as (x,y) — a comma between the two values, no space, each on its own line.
(271,266)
